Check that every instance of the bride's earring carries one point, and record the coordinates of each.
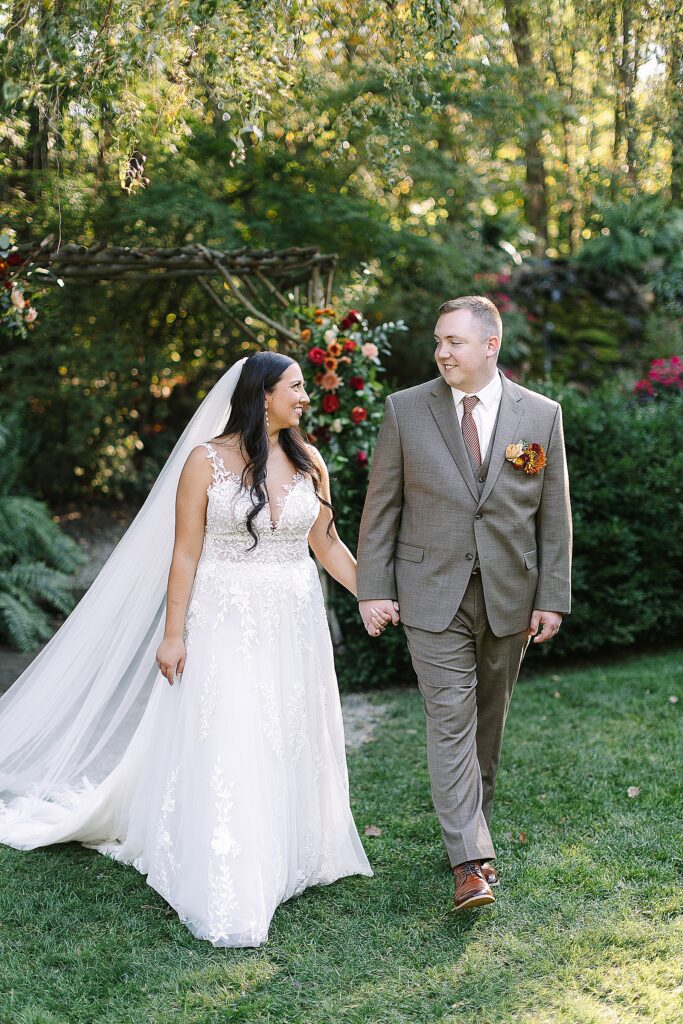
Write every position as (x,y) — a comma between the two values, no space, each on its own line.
(267,421)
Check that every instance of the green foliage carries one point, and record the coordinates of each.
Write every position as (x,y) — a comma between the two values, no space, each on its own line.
(663,334)
(35,556)
(634,237)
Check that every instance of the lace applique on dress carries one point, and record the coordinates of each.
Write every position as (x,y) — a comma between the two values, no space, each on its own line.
(219,472)
(207,700)
(165,861)
(222,898)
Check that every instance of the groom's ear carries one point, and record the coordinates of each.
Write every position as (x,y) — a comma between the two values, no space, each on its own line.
(492,345)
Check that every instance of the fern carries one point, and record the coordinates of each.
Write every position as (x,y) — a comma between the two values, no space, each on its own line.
(42,583)
(35,556)
(24,624)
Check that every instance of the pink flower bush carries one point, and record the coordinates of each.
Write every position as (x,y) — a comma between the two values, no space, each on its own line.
(664,376)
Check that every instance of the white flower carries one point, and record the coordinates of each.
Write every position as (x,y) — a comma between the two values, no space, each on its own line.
(337,426)
(31,315)
(223,842)
(331,334)
(17,298)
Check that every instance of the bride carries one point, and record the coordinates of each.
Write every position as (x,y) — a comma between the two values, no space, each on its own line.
(228,788)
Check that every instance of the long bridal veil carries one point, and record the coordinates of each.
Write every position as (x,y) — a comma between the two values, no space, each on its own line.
(66,721)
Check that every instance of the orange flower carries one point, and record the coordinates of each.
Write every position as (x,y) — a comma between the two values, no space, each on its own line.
(330,363)
(306,334)
(529,457)
(318,319)
(335,349)
(330,381)
(537,461)
(318,378)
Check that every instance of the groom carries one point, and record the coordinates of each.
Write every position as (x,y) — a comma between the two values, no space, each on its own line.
(467,525)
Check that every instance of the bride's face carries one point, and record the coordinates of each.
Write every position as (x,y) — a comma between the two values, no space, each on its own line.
(288,399)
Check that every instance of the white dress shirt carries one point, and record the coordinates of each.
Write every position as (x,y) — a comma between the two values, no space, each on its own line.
(484,412)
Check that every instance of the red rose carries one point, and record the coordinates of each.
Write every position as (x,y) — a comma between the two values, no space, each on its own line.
(350,345)
(14,259)
(317,355)
(330,403)
(358,414)
(352,317)
(362,458)
(357,383)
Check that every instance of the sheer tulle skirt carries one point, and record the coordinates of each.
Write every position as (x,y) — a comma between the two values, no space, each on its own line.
(233,795)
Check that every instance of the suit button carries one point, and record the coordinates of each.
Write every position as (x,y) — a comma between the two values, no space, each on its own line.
(479,515)
(469,557)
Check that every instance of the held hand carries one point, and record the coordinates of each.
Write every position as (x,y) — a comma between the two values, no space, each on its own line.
(547,622)
(377,615)
(170,658)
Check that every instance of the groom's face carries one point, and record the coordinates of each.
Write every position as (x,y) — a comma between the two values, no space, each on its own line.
(465,360)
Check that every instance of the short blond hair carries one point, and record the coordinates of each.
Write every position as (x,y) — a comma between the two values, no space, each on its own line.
(482,310)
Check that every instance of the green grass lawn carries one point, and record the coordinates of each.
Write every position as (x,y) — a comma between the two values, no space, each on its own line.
(587,928)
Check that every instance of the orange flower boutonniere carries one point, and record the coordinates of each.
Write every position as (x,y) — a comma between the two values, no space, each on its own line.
(529,457)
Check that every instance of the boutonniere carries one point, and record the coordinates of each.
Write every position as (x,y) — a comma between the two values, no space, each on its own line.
(527,456)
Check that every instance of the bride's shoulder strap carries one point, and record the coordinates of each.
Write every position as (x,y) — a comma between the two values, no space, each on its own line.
(219,472)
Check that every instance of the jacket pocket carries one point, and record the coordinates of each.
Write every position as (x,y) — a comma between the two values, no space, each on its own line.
(531,559)
(410,552)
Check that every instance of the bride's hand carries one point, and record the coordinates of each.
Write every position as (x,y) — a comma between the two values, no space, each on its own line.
(170,658)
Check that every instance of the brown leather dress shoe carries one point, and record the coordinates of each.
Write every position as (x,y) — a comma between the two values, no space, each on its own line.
(489,873)
(471,888)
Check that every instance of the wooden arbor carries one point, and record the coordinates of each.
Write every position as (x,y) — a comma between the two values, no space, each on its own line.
(256,283)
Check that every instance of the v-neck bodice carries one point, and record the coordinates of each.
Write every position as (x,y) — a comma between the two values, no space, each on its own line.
(226,535)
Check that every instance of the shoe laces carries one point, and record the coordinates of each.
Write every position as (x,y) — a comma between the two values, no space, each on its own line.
(470,867)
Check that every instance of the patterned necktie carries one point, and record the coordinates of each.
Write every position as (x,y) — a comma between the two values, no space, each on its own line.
(469,429)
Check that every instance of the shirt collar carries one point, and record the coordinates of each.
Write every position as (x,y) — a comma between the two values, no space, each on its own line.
(488,394)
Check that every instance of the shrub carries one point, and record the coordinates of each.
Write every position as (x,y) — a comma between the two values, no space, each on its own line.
(35,556)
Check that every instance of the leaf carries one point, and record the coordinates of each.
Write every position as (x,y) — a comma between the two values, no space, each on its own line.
(633,791)
(522,837)
(373,830)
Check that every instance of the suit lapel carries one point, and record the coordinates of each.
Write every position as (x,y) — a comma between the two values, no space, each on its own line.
(443,410)
(511,409)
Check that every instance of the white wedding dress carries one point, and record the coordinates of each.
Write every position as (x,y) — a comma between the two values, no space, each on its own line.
(232,796)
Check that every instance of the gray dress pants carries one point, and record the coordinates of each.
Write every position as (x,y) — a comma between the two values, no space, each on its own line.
(466,676)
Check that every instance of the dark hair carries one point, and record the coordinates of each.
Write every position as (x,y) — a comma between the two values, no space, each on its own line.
(260,374)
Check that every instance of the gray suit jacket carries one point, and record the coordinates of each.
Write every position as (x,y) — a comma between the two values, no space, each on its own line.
(426,517)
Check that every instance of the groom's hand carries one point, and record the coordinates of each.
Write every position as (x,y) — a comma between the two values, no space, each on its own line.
(547,622)
(376,615)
